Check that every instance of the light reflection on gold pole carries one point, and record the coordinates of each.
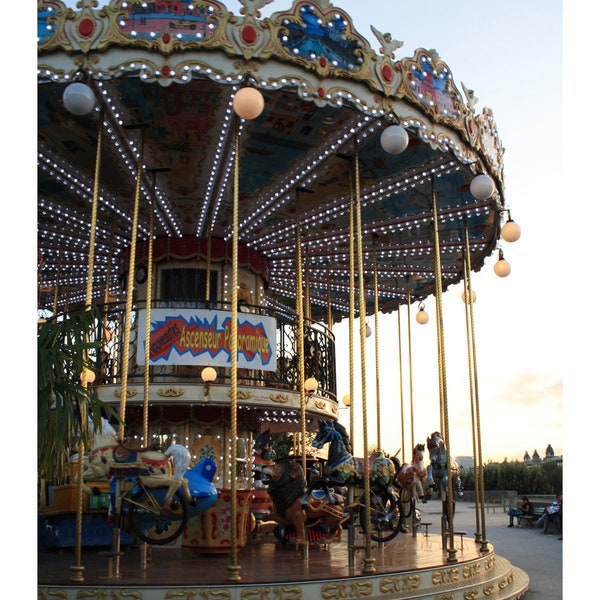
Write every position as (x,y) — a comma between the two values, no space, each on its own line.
(480,536)
(442,370)
(400,369)
(368,561)
(86,374)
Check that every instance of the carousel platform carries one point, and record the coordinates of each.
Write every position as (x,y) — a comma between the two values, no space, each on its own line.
(407,567)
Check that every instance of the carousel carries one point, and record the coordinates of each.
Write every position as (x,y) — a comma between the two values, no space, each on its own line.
(215,192)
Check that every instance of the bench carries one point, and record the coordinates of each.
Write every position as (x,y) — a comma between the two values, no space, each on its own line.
(537,510)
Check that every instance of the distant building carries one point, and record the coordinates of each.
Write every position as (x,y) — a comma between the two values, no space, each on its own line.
(536,460)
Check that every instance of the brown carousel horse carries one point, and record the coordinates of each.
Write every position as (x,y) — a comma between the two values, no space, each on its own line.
(295,506)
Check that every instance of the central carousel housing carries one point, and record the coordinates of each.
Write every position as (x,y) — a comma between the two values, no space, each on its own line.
(222,189)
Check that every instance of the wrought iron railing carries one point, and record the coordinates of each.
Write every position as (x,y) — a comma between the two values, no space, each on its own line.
(319,351)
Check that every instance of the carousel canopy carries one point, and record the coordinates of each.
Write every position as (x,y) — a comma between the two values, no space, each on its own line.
(163,76)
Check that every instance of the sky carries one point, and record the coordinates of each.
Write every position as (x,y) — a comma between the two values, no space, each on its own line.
(511,53)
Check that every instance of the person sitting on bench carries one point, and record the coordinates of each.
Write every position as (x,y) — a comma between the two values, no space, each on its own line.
(551,514)
(523,509)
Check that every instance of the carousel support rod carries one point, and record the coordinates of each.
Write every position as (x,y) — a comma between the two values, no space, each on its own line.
(351,305)
(208,259)
(466,296)
(78,568)
(479,471)
(400,370)
(130,282)
(57,284)
(300,342)
(368,561)
(410,366)
(443,387)
(234,569)
(376,322)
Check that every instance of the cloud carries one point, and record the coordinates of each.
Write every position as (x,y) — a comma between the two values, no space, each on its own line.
(533,389)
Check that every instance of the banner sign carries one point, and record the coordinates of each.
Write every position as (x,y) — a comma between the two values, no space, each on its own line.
(203,337)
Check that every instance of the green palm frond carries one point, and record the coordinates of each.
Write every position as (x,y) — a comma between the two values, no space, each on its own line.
(65,348)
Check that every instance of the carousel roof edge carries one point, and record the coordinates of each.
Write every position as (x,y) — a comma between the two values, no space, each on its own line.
(338,62)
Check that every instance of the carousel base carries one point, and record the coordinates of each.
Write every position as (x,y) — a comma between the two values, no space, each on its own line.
(407,567)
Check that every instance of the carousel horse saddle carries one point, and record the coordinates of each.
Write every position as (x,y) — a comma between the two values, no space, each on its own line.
(323,501)
(124,454)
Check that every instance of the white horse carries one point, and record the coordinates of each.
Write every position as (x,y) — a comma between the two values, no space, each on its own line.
(412,475)
(154,469)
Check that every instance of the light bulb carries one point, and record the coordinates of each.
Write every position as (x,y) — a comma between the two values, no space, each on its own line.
(502,267)
(248,103)
(79,98)
(394,139)
(422,317)
(510,232)
(482,186)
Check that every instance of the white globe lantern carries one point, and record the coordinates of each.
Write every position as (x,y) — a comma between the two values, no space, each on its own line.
(510,232)
(208,375)
(482,186)
(394,139)
(79,99)
(422,317)
(502,267)
(472,295)
(248,103)
(311,385)
(368,330)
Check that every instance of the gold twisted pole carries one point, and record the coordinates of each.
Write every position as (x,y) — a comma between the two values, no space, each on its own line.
(410,366)
(234,569)
(475,415)
(442,369)
(130,280)
(77,569)
(300,334)
(149,283)
(400,370)
(208,260)
(368,562)
(351,306)
(376,323)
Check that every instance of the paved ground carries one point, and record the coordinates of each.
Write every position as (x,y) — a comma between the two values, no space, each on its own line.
(540,556)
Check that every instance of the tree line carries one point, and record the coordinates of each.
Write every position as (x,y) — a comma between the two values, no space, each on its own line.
(543,479)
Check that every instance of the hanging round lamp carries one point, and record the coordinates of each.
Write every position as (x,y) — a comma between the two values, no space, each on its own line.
(502,267)
(394,139)
(482,186)
(248,103)
(472,295)
(510,231)
(422,317)
(79,99)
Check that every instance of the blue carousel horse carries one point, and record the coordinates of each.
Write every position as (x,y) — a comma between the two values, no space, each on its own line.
(437,471)
(345,469)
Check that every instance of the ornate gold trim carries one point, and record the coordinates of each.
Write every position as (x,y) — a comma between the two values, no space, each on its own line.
(130,393)
(170,392)
(279,398)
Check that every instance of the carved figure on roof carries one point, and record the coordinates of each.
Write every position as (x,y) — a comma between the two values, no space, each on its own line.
(389,45)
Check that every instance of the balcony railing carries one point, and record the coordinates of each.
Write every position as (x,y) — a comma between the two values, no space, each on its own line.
(319,351)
